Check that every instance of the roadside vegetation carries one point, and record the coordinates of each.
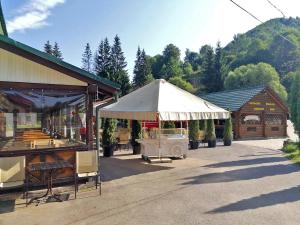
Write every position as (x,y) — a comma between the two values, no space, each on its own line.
(292,151)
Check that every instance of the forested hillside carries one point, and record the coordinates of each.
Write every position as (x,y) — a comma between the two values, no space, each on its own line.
(264,44)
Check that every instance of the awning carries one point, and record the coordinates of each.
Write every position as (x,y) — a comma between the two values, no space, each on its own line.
(164,101)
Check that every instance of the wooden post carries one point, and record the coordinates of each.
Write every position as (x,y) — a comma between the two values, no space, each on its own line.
(263,123)
(91,91)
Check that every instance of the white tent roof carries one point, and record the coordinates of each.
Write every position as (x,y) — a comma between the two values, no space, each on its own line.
(164,100)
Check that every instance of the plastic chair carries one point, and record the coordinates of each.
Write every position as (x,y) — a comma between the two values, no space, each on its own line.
(87,166)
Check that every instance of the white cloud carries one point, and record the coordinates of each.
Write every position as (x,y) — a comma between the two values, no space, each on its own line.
(32,15)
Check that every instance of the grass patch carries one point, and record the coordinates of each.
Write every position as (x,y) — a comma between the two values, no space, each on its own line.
(292,151)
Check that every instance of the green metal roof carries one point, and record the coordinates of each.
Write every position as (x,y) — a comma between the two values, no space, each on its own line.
(57,61)
(233,99)
(3,30)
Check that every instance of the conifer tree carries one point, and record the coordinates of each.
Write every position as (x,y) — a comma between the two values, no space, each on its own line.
(218,83)
(142,69)
(56,51)
(295,103)
(209,70)
(87,58)
(102,61)
(48,48)
(119,73)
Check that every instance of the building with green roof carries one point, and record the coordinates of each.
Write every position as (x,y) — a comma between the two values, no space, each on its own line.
(257,111)
(46,109)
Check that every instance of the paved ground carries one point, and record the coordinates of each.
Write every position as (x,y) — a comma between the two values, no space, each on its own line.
(226,185)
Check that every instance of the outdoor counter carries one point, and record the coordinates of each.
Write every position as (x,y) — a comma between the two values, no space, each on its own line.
(165,147)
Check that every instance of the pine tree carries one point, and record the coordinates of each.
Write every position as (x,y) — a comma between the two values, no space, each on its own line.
(209,70)
(218,69)
(136,71)
(142,69)
(102,61)
(118,66)
(87,58)
(48,48)
(56,51)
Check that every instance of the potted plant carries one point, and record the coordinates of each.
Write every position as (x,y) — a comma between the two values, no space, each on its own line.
(108,138)
(211,134)
(194,133)
(136,133)
(227,136)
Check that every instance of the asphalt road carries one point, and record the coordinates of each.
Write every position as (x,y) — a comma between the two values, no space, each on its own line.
(227,185)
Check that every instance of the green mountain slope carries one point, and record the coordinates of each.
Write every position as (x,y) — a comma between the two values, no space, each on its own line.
(264,44)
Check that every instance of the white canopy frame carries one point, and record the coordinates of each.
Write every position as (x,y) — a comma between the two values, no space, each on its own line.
(162,101)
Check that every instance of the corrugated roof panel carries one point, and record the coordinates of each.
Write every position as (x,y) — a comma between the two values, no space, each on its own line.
(233,99)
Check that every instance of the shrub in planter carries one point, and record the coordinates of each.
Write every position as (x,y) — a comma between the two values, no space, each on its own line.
(202,125)
(227,135)
(108,138)
(194,133)
(211,134)
(136,133)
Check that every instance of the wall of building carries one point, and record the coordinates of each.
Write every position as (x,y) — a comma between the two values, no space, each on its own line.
(262,116)
(14,68)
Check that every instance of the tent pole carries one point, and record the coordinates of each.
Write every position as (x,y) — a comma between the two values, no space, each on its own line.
(159,133)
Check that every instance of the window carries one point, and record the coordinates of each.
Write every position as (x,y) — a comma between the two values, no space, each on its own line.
(250,119)
(275,128)
(41,119)
(251,129)
(274,119)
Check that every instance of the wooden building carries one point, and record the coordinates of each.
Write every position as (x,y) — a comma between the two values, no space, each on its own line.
(46,109)
(256,112)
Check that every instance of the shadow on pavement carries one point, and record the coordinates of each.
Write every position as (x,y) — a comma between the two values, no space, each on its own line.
(116,168)
(273,198)
(243,174)
(246,162)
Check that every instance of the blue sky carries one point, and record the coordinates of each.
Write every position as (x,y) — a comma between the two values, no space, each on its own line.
(151,24)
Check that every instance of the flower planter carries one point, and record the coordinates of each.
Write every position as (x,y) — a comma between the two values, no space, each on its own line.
(212,143)
(108,151)
(194,144)
(136,149)
(227,142)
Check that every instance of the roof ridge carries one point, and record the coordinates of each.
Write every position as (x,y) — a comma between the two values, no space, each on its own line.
(236,89)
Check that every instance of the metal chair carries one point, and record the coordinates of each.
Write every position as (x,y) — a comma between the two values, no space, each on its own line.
(87,165)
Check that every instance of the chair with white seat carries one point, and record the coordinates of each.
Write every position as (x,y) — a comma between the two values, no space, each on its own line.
(87,165)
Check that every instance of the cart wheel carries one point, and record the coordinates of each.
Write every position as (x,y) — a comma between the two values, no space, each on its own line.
(184,156)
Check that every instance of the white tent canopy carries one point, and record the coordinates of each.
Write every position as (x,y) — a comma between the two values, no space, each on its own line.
(164,101)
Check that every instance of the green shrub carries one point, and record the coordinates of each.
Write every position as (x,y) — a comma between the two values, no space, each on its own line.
(109,129)
(202,125)
(227,135)
(193,130)
(168,125)
(289,148)
(210,131)
(136,132)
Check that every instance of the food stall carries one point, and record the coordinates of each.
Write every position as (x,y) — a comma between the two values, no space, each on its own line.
(162,101)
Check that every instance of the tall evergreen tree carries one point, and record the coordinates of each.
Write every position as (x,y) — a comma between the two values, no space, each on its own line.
(48,48)
(118,66)
(56,51)
(209,70)
(102,61)
(87,58)
(218,83)
(142,69)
